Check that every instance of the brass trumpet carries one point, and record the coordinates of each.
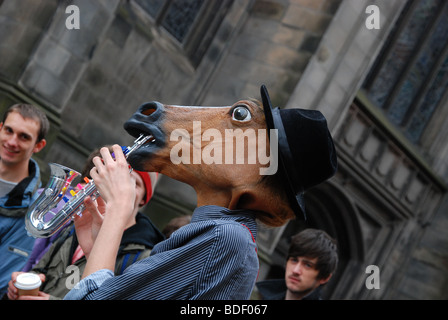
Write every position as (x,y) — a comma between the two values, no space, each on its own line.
(48,213)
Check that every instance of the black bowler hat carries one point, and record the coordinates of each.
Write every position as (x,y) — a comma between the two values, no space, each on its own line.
(306,151)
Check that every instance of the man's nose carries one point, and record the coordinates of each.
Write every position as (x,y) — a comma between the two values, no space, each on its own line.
(298,268)
(12,140)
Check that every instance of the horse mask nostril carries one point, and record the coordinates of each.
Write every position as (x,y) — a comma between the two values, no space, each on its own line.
(148,112)
(150,109)
(146,120)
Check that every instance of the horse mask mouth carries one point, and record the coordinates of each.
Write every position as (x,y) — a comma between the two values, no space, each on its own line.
(147,121)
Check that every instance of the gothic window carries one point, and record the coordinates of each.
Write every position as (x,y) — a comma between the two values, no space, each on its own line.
(191,23)
(410,77)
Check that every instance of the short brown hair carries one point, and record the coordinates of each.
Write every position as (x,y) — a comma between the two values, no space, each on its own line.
(28,111)
(88,165)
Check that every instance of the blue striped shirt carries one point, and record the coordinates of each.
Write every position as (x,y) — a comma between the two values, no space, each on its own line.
(213,257)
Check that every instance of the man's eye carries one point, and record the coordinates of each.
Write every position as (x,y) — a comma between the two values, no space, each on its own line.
(25,137)
(293,259)
(241,113)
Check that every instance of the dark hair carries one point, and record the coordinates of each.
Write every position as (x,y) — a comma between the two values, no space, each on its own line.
(313,243)
(28,111)
(88,165)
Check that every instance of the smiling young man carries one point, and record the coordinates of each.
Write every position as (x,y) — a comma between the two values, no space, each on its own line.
(312,260)
(22,133)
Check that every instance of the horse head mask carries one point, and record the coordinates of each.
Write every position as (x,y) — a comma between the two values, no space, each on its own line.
(244,156)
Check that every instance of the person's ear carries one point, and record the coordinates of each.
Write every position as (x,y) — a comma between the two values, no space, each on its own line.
(325,280)
(40,145)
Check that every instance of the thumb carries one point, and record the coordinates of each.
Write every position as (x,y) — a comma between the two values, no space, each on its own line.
(94,208)
(42,277)
(101,205)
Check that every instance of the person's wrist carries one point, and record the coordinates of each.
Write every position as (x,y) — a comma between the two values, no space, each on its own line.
(119,210)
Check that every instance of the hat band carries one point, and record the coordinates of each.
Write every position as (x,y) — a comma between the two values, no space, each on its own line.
(285,153)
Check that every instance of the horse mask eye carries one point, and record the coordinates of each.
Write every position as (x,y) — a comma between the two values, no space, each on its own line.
(241,113)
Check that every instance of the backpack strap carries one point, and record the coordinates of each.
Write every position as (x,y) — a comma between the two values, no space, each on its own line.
(131,257)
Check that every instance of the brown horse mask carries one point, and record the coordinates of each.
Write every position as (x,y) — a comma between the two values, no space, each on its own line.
(201,146)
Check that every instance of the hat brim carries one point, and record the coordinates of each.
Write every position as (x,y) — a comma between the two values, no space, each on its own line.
(274,121)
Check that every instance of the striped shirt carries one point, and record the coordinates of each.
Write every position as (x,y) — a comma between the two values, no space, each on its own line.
(213,257)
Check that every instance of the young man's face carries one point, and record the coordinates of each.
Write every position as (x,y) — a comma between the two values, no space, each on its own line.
(18,139)
(301,276)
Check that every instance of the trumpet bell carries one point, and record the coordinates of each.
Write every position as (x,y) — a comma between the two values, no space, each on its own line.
(48,213)
(41,219)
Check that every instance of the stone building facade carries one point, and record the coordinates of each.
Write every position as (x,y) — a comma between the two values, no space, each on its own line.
(375,69)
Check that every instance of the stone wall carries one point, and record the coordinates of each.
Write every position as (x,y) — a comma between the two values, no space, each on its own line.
(91,79)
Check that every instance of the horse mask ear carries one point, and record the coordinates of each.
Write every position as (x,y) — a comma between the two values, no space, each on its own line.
(307,155)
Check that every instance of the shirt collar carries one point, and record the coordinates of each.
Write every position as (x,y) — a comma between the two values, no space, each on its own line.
(212,212)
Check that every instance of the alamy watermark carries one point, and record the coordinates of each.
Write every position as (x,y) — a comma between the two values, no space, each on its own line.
(74,277)
(228,148)
(373,280)
(72,22)
(373,20)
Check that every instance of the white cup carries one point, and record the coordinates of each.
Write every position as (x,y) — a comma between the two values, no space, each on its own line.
(28,284)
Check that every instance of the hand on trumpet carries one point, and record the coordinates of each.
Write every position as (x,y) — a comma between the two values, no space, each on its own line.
(117,188)
(89,223)
(118,199)
(114,183)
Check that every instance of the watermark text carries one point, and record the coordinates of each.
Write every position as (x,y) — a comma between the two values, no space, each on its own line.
(373,20)
(373,280)
(73,20)
(235,146)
